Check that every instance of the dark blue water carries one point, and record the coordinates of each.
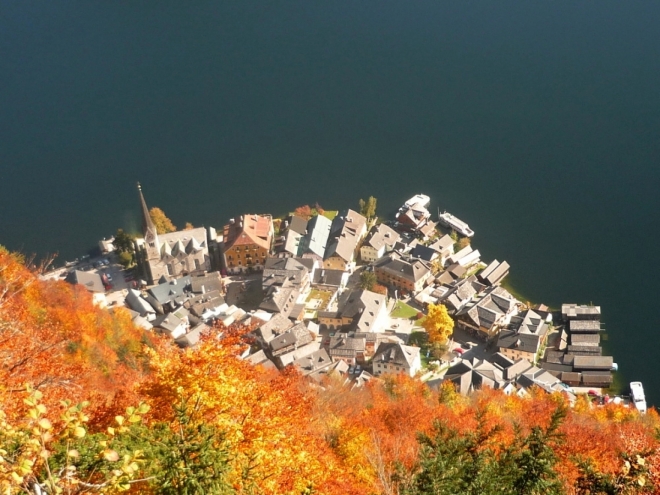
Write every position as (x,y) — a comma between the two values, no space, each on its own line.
(536,122)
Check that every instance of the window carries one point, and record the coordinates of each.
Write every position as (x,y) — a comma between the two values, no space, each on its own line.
(197,265)
(170,269)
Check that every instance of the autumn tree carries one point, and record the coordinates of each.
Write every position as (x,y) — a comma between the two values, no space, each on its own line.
(438,324)
(188,226)
(163,224)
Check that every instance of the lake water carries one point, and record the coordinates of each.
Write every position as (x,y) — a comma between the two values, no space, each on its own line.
(538,123)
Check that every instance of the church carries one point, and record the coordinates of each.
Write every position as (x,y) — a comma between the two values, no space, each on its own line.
(171,255)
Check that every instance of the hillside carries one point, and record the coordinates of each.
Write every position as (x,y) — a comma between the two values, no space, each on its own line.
(91,404)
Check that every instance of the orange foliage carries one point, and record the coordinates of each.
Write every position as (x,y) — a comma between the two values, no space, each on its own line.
(53,337)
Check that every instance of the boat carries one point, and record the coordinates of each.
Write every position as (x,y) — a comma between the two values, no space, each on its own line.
(417,199)
(449,220)
(637,395)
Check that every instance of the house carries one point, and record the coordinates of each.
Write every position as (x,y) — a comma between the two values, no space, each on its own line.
(288,273)
(261,359)
(444,246)
(315,241)
(380,240)
(247,242)
(582,312)
(283,360)
(137,303)
(89,280)
(396,358)
(191,338)
(348,349)
(485,316)
(314,363)
(332,280)
(173,254)
(295,337)
(345,235)
(456,257)
(460,292)
(525,337)
(168,295)
(171,325)
(266,332)
(295,228)
(494,273)
(280,300)
(413,216)
(401,273)
(359,310)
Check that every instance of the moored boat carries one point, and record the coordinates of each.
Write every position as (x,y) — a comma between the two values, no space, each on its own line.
(637,395)
(449,220)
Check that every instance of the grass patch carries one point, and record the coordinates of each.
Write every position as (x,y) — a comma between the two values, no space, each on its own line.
(402,310)
(323,295)
(330,214)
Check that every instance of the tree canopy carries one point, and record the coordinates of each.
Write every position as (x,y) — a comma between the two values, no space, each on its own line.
(438,324)
(163,224)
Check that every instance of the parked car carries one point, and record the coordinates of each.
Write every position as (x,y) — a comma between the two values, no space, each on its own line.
(109,277)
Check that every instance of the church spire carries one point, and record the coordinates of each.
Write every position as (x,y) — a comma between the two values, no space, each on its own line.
(148,227)
(147,223)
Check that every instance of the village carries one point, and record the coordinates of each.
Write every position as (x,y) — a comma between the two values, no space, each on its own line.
(346,293)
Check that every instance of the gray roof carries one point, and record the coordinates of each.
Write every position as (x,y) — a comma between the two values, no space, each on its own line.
(582,312)
(280,300)
(136,302)
(331,278)
(342,346)
(382,235)
(168,291)
(585,339)
(345,235)
(169,322)
(510,339)
(286,272)
(363,307)
(494,272)
(192,337)
(316,239)
(89,280)
(584,326)
(277,325)
(592,363)
(206,283)
(298,335)
(313,362)
(413,271)
(297,224)
(396,354)
(442,245)
(585,350)
(423,253)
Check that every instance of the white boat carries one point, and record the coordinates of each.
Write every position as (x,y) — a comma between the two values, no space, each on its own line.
(637,395)
(449,220)
(417,199)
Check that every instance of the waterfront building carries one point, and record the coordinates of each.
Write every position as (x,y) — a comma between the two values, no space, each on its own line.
(247,242)
(170,255)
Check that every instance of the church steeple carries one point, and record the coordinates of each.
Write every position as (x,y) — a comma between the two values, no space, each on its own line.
(148,227)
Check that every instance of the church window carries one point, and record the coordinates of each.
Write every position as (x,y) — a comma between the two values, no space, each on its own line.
(197,266)
(170,269)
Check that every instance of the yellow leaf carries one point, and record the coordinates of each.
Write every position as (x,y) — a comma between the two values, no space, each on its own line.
(79,432)
(45,424)
(110,455)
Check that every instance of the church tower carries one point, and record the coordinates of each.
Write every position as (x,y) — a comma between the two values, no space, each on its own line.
(152,245)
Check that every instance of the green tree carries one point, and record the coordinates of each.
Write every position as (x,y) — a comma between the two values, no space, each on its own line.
(452,463)
(188,457)
(367,280)
(163,224)
(438,324)
(124,242)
